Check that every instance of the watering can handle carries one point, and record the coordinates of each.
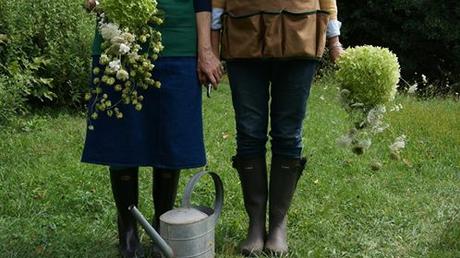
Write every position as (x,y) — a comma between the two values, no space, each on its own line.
(218,203)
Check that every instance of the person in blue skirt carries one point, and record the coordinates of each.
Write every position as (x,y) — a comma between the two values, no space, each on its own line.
(167,133)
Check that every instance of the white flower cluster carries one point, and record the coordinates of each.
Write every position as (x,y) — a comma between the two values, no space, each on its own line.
(413,88)
(121,42)
(398,144)
(109,30)
(375,119)
(358,141)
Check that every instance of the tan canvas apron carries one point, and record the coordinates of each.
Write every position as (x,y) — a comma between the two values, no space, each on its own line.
(273,29)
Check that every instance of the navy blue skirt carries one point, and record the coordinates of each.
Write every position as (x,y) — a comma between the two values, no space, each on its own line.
(166,133)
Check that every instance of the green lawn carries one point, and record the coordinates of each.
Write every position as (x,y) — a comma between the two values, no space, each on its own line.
(51,205)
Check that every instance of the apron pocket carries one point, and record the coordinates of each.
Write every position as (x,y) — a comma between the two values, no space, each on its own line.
(304,34)
(242,37)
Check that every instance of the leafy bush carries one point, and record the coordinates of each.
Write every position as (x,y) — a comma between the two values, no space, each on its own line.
(370,74)
(19,84)
(59,34)
(11,99)
(423,33)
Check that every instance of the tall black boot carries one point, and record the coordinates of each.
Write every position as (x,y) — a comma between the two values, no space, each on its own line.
(126,192)
(284,175)
(253,177)
(164,190)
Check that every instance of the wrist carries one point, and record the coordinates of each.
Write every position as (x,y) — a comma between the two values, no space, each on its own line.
(333,41)
(335,46)
(204,49)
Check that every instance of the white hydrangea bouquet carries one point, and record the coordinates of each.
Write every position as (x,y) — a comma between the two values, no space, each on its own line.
(368,77)
(130,44)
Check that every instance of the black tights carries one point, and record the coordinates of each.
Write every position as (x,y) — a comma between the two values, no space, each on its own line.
(164,189)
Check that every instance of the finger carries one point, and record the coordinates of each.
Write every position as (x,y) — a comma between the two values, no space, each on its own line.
(212,79)
(201,78)
(218,72)
(218,76)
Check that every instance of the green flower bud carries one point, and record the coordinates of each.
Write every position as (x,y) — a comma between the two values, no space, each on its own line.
(88,96)
(104,60)
(119,115)
(111,81)
(100,107)
(122,75)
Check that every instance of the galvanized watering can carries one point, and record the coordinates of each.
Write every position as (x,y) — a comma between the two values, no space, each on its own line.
(187,231)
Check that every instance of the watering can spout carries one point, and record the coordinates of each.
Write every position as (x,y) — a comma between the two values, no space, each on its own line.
(164,247)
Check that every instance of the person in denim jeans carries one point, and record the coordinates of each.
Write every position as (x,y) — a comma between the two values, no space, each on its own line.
(272,49)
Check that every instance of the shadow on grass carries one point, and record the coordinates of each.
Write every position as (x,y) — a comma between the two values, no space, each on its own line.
(449,240)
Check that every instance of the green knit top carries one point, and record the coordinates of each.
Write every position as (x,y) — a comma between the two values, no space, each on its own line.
(178,29)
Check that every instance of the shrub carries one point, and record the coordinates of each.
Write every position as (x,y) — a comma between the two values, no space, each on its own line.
(423,33)
(11,99)
(20,83)
(58,33)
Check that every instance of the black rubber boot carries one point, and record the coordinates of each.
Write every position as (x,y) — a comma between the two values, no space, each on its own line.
(253,177)
(126,192)
(284,175)
(164,191)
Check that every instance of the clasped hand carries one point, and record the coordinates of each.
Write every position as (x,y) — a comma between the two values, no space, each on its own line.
(210,69)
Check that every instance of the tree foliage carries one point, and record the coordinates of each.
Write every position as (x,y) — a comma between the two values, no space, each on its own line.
(423,33)
(57,35)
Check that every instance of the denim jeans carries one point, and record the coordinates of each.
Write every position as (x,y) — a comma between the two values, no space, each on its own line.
(270,90)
